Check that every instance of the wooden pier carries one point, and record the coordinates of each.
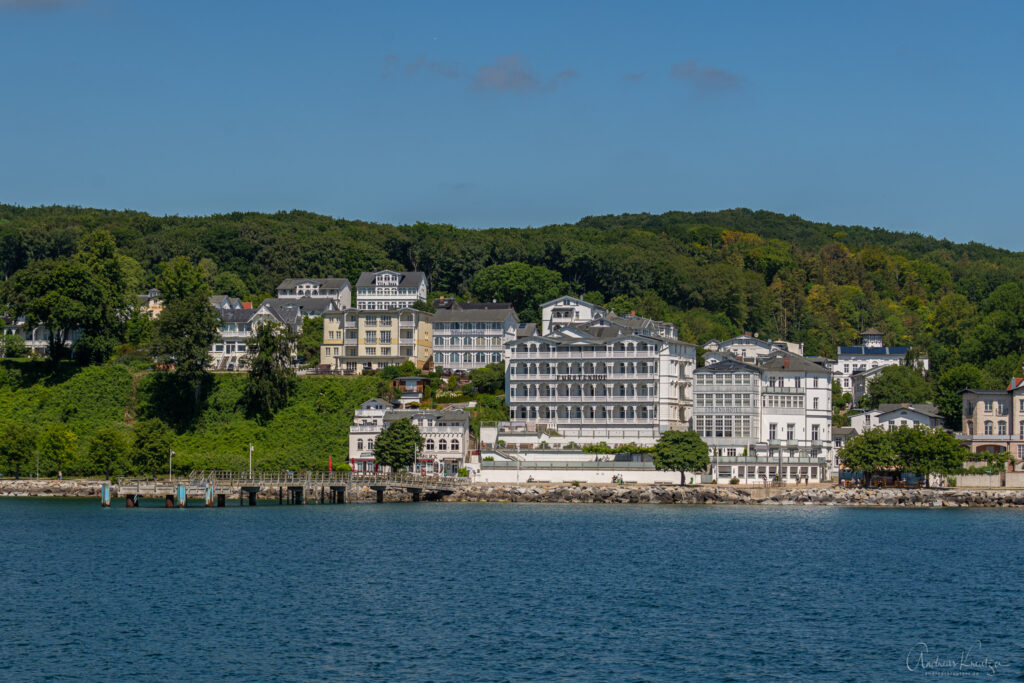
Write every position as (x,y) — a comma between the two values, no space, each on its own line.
(214,487)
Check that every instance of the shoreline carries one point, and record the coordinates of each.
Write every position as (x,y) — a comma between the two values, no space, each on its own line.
(826,496)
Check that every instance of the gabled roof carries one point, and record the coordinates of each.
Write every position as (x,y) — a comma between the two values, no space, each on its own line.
(570,299)
(789,361)
(447,414)
(283,310)
(922,408)
(374,403)
(410,280)
(526,330)
(1015,383)
(324,282)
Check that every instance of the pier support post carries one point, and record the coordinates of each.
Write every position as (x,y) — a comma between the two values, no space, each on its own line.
(210,495)
(105,496)
(169,500)
(252,497)
(380,492)
(222,500)
(181,496)
(337,494)
(415,494)
(131,500)
(321,495)
(280,495)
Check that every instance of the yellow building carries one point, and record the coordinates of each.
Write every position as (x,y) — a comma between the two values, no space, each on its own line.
(359,340)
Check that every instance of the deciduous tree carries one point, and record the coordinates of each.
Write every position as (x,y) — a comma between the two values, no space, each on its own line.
(681,452)
(271,379)
(397,445)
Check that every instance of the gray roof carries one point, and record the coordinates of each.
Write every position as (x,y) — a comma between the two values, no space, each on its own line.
(447,415)
(410,280)
(789,361)
(729,366)
(220,299)
(317,305)
(526,330)
(235,315)
(923,408)
(476,313)
(325,282)
(285,310)
(843,431)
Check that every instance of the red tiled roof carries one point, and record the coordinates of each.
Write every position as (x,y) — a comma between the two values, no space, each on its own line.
(246,304)
(1015,383)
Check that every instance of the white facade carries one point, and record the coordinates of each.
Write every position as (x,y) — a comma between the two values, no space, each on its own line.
(37,339)
(445,436)
(388,289)
(337,290)
(567,310)
(889,416)
(869,356)
(758,418)
(749,349)
(238,322)
(470,336)
(600,382)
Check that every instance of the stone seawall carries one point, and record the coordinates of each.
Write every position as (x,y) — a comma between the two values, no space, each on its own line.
(566,493)
(710,495)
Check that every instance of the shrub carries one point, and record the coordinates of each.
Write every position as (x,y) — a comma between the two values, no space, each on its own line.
(734,481)
(463,472)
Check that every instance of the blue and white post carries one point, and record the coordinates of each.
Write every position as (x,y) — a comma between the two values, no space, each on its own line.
(179,496)
(105,495)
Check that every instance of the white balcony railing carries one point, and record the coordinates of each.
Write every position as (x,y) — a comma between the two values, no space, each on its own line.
(651,398)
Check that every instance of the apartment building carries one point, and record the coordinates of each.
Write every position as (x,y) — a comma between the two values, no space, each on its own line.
(238,322)
(760,419)
(445,437)
(357,340)
(867,359)
(387,289)
(336,289)
(993,421)
(471,335)
(599,381)
(748,348)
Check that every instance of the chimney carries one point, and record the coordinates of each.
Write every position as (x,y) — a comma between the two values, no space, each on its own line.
(785,362)
(632,312)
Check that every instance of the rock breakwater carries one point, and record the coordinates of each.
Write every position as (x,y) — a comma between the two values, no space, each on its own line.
(711,495)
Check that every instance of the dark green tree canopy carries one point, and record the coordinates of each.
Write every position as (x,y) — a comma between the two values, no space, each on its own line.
(682,452)
(17,446)
(897,384)
(151,447)
(271,377)
(397,445)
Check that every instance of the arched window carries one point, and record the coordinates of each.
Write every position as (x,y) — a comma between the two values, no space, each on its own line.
(1002,427)
(359,444)
(369,444)
(455,444)
(428,445)
(442,445)
(988,427)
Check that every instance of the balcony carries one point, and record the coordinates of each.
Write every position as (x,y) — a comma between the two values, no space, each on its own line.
(784,390)
(562,355)
(650,398)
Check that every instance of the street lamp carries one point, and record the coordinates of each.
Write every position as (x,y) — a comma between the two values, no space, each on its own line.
(170,464)
(250,461)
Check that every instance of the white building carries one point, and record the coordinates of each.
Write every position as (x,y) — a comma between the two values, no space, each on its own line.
(748,348)
(238,322)
(37,338)
(891,415)
(471,335)
(336,289)
(445,436)
(567,310)
(758,418)
(388,289)
(870,355)
(600,381)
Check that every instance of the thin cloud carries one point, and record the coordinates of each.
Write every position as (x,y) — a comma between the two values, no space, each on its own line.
(38,5)
(707,80)
(433,68)
(513,73)
(507,74)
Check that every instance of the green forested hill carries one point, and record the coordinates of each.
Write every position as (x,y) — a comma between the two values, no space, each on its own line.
(713,273)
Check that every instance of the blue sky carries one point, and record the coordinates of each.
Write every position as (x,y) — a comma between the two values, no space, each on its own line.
(906,115)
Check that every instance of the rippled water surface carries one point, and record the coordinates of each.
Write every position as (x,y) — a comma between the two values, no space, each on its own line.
(436,591)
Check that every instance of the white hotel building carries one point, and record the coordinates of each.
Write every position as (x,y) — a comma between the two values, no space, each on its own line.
(445,436)
(388,289)
(608,380)
(468,336)
(758,418)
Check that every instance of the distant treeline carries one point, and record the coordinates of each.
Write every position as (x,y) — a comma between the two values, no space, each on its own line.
(715,274)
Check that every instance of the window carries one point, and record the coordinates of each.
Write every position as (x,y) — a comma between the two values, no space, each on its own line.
(359,444)
(428,445)
(772,429)
(988,406)
(815,402)
(1002,427)
(988,427)
(790,429)
(371,320)
(455,445)
(1020,452)
(371,337)
(442,445)
(385,337)
(370,351)
(815,436)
